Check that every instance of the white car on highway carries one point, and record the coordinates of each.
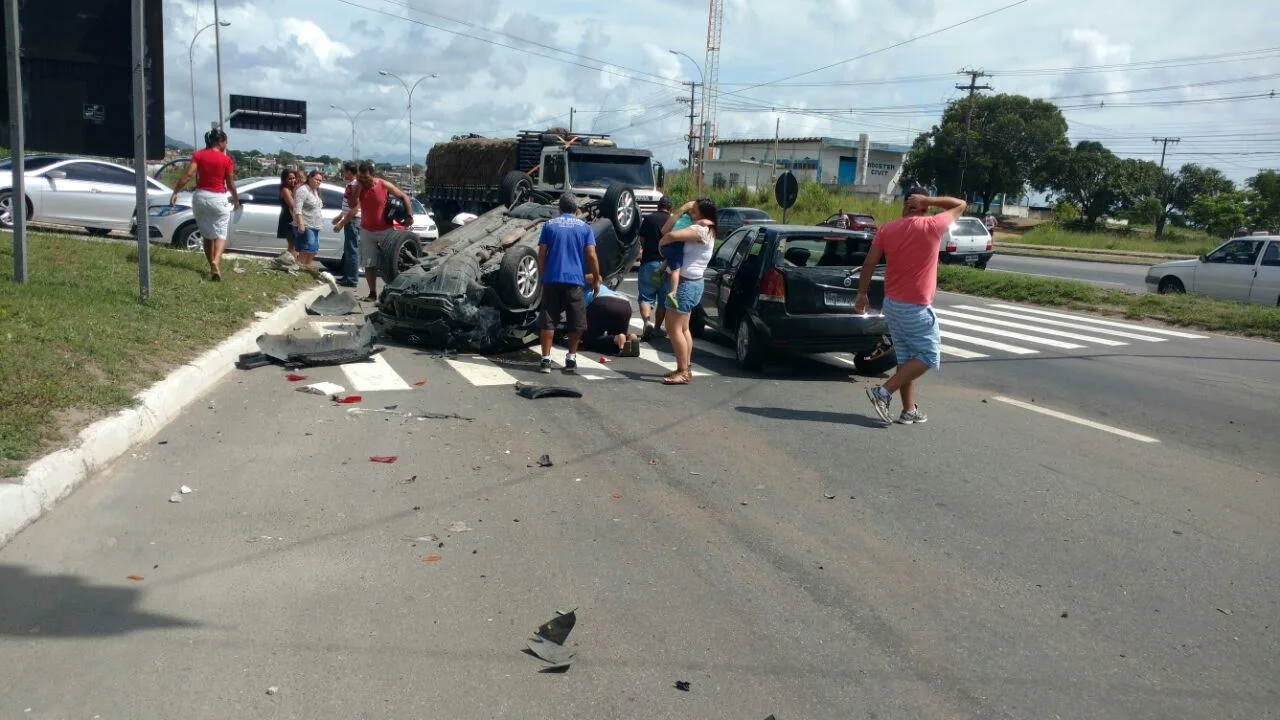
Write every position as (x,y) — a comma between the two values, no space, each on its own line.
(94,194)
(967,241)
(253,227)
(1246,269)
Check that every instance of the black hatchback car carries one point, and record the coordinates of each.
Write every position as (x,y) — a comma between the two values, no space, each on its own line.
(791,288)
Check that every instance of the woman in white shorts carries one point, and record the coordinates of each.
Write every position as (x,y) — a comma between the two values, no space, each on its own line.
(215,175)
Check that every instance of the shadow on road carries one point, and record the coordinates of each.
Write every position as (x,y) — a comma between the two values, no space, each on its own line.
(775,413)
(66,606)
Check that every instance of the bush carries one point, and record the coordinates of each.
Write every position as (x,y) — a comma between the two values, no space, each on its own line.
(1065,212)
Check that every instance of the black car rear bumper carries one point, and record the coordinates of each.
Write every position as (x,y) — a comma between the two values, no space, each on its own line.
(821,333)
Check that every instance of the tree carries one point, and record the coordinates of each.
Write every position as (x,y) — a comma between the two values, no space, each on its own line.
(1089,176)
(1219,214)
(1010,138)
(1191,183)
(1264,209)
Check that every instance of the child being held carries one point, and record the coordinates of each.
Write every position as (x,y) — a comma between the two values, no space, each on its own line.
(673,257)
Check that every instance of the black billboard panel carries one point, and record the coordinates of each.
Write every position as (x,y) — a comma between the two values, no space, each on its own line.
(268,114)
(77,58)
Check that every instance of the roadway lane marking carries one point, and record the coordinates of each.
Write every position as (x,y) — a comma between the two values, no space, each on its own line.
(962,354)
(1106,323)
(1032,328)
(480,371)
(665,361)
(373,376)
(1059,323)
(1074,419)
(992,344)
(1007,334)
(698,344)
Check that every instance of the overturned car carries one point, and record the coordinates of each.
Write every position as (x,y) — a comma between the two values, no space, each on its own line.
(478,288)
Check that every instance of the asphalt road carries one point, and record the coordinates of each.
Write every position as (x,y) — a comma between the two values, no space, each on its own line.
(1108,275)
(760,537)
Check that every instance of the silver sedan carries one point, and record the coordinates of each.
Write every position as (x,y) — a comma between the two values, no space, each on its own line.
(1246,269)
(94,194)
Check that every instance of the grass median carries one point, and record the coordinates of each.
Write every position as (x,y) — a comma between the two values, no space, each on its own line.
(1185,310)
(1179,242)
(77,344)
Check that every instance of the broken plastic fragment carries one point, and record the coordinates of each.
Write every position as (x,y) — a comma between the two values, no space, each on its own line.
(262,315)
(273,690)
(295,378)
(349,400)
(185,490)
(683,685)
(557,629)
(384,459)
(420,383)
(545,461)
(323,388)
(459,527)
(135,578)
(534,392)
(175,498)
(829,496)
(431,559)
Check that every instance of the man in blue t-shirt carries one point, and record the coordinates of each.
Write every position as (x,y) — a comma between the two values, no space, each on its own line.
(565,242)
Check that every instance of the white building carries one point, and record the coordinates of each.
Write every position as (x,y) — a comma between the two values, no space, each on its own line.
(859,165)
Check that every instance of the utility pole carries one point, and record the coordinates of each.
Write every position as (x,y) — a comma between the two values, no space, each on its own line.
(572,112)
(973,87)
(1164,148)
(217,42)
(17,141)
(693,98)
(777,132)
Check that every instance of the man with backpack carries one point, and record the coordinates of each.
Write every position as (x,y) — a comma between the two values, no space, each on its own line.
(371,204)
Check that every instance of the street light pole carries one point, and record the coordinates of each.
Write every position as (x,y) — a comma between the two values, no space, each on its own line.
(217,44)
(355,156)
(191,62)
(409,90)
(697,172)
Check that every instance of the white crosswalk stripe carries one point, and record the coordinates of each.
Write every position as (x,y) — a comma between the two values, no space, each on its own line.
(1105,323)
(1060,323)
(1032,328)
(480,371)
(1034,340)
(962,354)
(981,342)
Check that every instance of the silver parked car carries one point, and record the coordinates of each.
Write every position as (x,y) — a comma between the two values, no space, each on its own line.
(967,241)
(97,195)
(254,227)
(1246,269)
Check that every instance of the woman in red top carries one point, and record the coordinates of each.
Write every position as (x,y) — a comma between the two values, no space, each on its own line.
(215,175)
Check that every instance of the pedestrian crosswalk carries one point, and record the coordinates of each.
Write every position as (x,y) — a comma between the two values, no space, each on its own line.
(971,332)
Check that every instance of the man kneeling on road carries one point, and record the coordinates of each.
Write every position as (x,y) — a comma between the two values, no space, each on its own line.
(609,322)
(909,247)
(565,244)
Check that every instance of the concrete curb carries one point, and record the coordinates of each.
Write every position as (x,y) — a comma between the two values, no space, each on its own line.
(54,476)
(1095,251)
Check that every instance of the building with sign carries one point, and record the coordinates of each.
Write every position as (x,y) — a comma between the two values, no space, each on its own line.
(858,165)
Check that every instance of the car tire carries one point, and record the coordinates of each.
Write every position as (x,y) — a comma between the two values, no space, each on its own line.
(188,237)
(981,265)
(519,282)
(620,207)
(698,323)
(6,210)
(1170,285)
(877,361)
(516,188)
(97,232)
(401,251)
(750,348)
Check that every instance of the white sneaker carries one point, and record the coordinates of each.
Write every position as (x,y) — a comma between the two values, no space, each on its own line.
(912,417)
(880,400)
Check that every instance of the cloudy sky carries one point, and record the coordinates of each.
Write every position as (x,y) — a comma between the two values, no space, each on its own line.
(504,66)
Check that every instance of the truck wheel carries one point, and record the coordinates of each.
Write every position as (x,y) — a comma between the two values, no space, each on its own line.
(401,251)
(519,283)
(750,348)
(877,361)
(515,189)
(619,206)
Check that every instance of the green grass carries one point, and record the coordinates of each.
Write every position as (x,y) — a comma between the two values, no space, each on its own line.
(1186,310)
(814,205)
(76,343)
(1178,242)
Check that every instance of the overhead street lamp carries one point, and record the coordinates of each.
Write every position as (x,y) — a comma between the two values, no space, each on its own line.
(706,131)
(191,62)
(412,182)
(293,143)
(355,155)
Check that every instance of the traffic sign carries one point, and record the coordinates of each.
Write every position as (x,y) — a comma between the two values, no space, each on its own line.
(268,114)
(786,192)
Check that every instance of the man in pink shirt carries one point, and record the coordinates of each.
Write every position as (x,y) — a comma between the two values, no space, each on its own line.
(909,248)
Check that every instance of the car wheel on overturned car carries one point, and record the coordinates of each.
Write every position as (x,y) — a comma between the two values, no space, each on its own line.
(751,351)
(620,207)
(399,252)
(519,282)
(516,188)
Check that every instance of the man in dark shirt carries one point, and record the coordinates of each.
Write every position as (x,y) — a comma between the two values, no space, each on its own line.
(650,279)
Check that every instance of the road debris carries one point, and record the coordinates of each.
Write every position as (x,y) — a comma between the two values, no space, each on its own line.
(1224,611)
(420,383)
(300,350)
(604,360)
(135,578)
(548,642)
(237,269)
(829,496)
(535,392)
(384,459)
(185,490)
(327,389)
(262,538)
(617,496)
(413,479)
(295,378)
(273,690)
(348,400)
(261,315)
(684,685)
(336,303)
(459,527)
(431,559)
(175,498)
(545,461)
(1064,614)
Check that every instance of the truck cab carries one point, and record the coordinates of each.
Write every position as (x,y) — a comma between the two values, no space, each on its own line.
(586,170)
